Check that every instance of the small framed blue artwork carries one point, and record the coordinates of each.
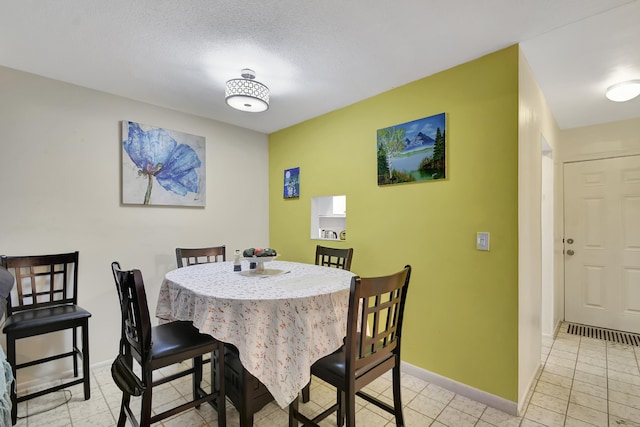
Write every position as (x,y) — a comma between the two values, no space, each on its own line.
(292,183)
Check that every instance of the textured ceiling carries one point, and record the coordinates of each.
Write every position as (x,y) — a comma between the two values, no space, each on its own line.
(319,56)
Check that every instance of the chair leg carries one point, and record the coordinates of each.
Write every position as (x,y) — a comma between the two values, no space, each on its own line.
(246,418)
(340,398)
(306,393)
(293,411)
(217,382)
(397,398)
(350,408)
(11,358)
(85,360)
(197,376)
(74,332)
(245,409)
(122,419)
(145,415)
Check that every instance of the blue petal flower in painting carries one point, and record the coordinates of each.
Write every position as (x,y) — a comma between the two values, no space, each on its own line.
(157,154)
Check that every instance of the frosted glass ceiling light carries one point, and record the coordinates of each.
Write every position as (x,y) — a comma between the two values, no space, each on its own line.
(246,94)
(624,91)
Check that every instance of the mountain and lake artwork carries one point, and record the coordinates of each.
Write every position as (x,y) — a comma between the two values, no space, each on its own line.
(413,151)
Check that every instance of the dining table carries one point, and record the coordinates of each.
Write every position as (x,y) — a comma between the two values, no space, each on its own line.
(282,317)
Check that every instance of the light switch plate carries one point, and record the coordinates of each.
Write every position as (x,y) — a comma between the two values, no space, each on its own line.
(482,241)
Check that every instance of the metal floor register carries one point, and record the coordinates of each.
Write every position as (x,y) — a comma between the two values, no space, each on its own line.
(604,334)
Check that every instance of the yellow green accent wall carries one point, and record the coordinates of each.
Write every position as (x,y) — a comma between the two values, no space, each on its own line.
(461,318)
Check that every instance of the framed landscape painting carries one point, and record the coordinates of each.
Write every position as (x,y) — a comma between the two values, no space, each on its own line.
(413,151)
(162,167)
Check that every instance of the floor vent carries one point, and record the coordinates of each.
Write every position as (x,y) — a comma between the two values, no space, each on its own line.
(604,334)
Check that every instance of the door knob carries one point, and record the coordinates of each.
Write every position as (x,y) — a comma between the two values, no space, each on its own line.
(569,241)
(570,252)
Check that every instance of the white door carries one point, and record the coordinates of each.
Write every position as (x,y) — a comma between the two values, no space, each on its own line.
(602,243)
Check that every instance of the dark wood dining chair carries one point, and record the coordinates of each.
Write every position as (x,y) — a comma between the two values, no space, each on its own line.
(155,347)
(371,348)
(192,256)
(333,257)
(329,257)
(45,300)
(246,392)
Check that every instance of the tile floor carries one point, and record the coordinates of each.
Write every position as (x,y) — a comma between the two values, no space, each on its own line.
(584,382)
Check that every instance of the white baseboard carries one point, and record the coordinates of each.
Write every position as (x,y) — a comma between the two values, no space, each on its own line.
(555,331)
(488,399)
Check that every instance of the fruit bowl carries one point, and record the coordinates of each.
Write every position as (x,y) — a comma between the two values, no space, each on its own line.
(259,256)
(260,259)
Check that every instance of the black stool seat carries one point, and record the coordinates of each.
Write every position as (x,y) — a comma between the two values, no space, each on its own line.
(176,338)
(43,320)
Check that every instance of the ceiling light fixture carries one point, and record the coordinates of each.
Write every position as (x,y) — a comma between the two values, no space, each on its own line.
(624,91)
(246,94)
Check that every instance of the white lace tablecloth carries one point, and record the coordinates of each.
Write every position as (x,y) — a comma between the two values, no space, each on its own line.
(280,324)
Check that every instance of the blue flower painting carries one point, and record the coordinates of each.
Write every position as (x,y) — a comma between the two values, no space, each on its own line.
(173,160)
(292,183)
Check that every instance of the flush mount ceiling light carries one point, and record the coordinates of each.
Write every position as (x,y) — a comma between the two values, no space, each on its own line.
(624,91)
(246,94)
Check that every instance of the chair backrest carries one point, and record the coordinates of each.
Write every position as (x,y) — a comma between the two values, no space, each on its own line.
(191,256)
(376,308)
(136,323)
(332,257)
(42,280)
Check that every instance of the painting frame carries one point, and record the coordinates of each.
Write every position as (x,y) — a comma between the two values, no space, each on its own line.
(414,151)
(162,167)
(291,188)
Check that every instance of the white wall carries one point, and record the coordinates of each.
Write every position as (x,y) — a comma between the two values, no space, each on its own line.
(548,319)
(535,122)
(608,140)
(60,157)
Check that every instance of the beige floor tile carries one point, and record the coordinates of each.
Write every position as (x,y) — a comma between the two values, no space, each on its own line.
(624,387)
(624,368)
(617,421)
(563,353)
(427,406)
(497,417)
(590,389)
(587,414)
(415,418)
(557,391)
(560,361)
(624,399)
(624,412)
(572,422)
(591,369)
(559,370)
(556,379)
(586,377)
(544,416)
(588,400)
(549,402)
(622,377)
(468,406)
(438,393)
(455,418)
